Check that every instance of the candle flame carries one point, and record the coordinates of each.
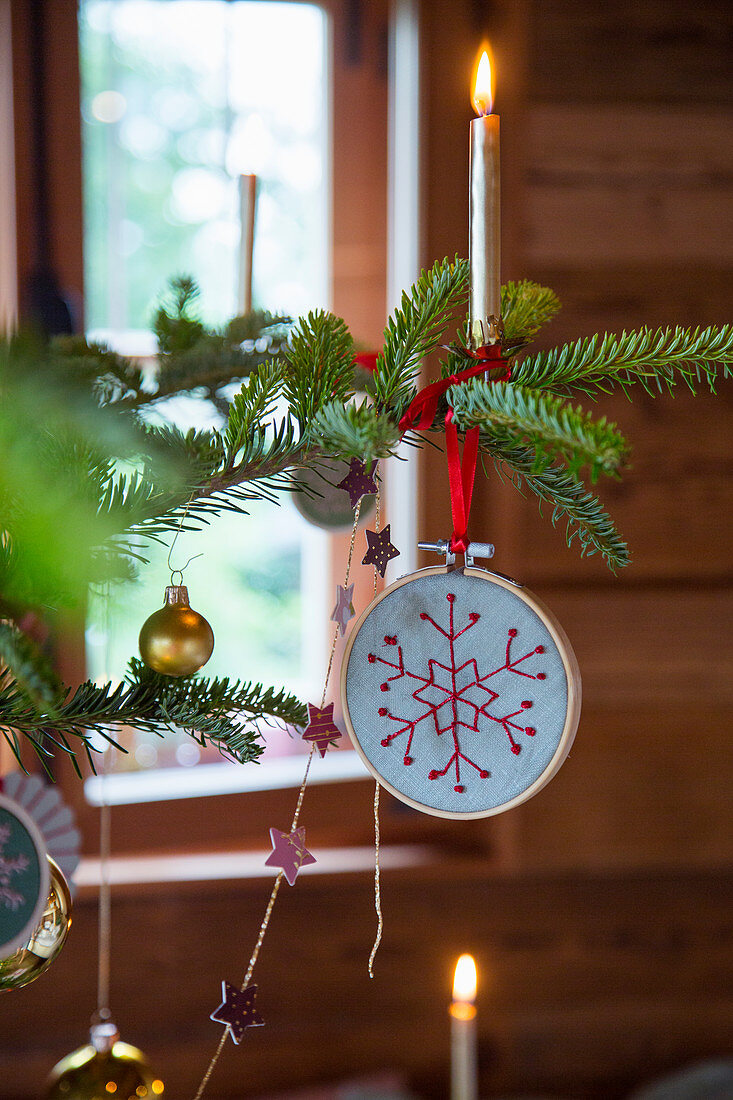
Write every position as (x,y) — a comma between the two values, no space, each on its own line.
(465,980)
(483,98)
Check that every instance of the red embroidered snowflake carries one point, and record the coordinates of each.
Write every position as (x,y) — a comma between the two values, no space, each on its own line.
(455,696)
(9,866)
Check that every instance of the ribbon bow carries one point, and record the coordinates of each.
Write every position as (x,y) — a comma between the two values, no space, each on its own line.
(420,414)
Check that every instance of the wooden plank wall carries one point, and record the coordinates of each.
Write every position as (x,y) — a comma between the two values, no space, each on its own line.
(617,187)
(598,912)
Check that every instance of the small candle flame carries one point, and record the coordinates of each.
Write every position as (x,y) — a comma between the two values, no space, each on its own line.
(465,980)
(483,99)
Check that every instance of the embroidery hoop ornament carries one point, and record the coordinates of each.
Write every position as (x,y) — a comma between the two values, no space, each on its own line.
(20,923)
(513,758)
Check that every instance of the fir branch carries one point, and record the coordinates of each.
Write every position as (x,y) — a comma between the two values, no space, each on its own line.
(212,363)
(28,666)
(555,485)
(254,403)
(525,308)
(217,711)
(220,473)
(113,378)
(655,359)
(548,423)
(175,325)
(414,329)
(319,365)
(354,431)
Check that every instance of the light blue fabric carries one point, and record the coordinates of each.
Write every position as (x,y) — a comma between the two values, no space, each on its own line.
(398,616)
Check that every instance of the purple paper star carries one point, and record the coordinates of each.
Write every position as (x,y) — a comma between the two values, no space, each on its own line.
(321,727)
(344,609)
(380,551)
(358,483)
(289,852)
(237,1010)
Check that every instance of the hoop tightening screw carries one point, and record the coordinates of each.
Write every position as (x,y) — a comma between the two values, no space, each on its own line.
(473,550)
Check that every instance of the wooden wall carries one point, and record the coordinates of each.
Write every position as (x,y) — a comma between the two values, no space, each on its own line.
(617,185)
(599,911)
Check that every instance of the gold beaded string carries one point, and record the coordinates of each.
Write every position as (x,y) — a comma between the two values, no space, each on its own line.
(103,1013)
(301,794)
(377,884)
(377,876)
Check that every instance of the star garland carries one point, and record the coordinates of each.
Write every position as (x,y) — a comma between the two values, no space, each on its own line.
(289,853)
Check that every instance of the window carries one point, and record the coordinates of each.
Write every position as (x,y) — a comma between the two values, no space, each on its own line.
(180,97)
(344,261)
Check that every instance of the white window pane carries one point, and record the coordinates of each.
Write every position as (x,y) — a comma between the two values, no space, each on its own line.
(178,98)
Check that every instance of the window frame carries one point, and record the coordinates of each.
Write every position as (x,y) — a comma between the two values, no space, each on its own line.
(358,89)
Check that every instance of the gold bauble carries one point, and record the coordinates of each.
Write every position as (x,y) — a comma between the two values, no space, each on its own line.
(176,640)
(47,939)
(103,1069)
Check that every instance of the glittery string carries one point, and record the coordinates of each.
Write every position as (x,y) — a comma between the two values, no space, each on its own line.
(104,915)
(294,824)
(105,905)
(377,884)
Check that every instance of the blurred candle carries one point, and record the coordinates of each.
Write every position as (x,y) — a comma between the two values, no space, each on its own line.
(464,1068)
(247,202)
(485,217)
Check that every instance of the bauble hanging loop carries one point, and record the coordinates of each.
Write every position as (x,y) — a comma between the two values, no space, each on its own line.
(176,640)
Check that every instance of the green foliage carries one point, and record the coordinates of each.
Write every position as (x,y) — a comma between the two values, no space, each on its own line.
(217,711)
(548,423)
(175,325)
(319,365)
(525,308)
(414,330)
(35,681)
(356,431)
(657,360)
(568,497)
(58,454)
(111,377)
(86,481)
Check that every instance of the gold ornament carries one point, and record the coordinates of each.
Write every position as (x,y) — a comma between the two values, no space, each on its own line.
(176,640)
(103,1069)
(48,937)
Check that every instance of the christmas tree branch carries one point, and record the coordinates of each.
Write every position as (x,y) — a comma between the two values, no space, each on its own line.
(214,711)
(654,359)
(555,485)
(83,487)
(414,330)
(548,423)
(35,682)
(354,431)
(319,365)
(525,308)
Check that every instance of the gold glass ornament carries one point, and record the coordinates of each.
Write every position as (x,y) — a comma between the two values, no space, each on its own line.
(48,937)
(176,640)
(102,1069)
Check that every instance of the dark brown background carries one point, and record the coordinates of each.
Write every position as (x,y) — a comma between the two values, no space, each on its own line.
(599,912)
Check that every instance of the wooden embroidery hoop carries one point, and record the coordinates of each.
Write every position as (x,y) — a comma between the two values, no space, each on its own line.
(572,674)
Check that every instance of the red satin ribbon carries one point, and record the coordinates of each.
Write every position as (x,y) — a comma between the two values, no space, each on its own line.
(461,476)
(367,360)
(420,413)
